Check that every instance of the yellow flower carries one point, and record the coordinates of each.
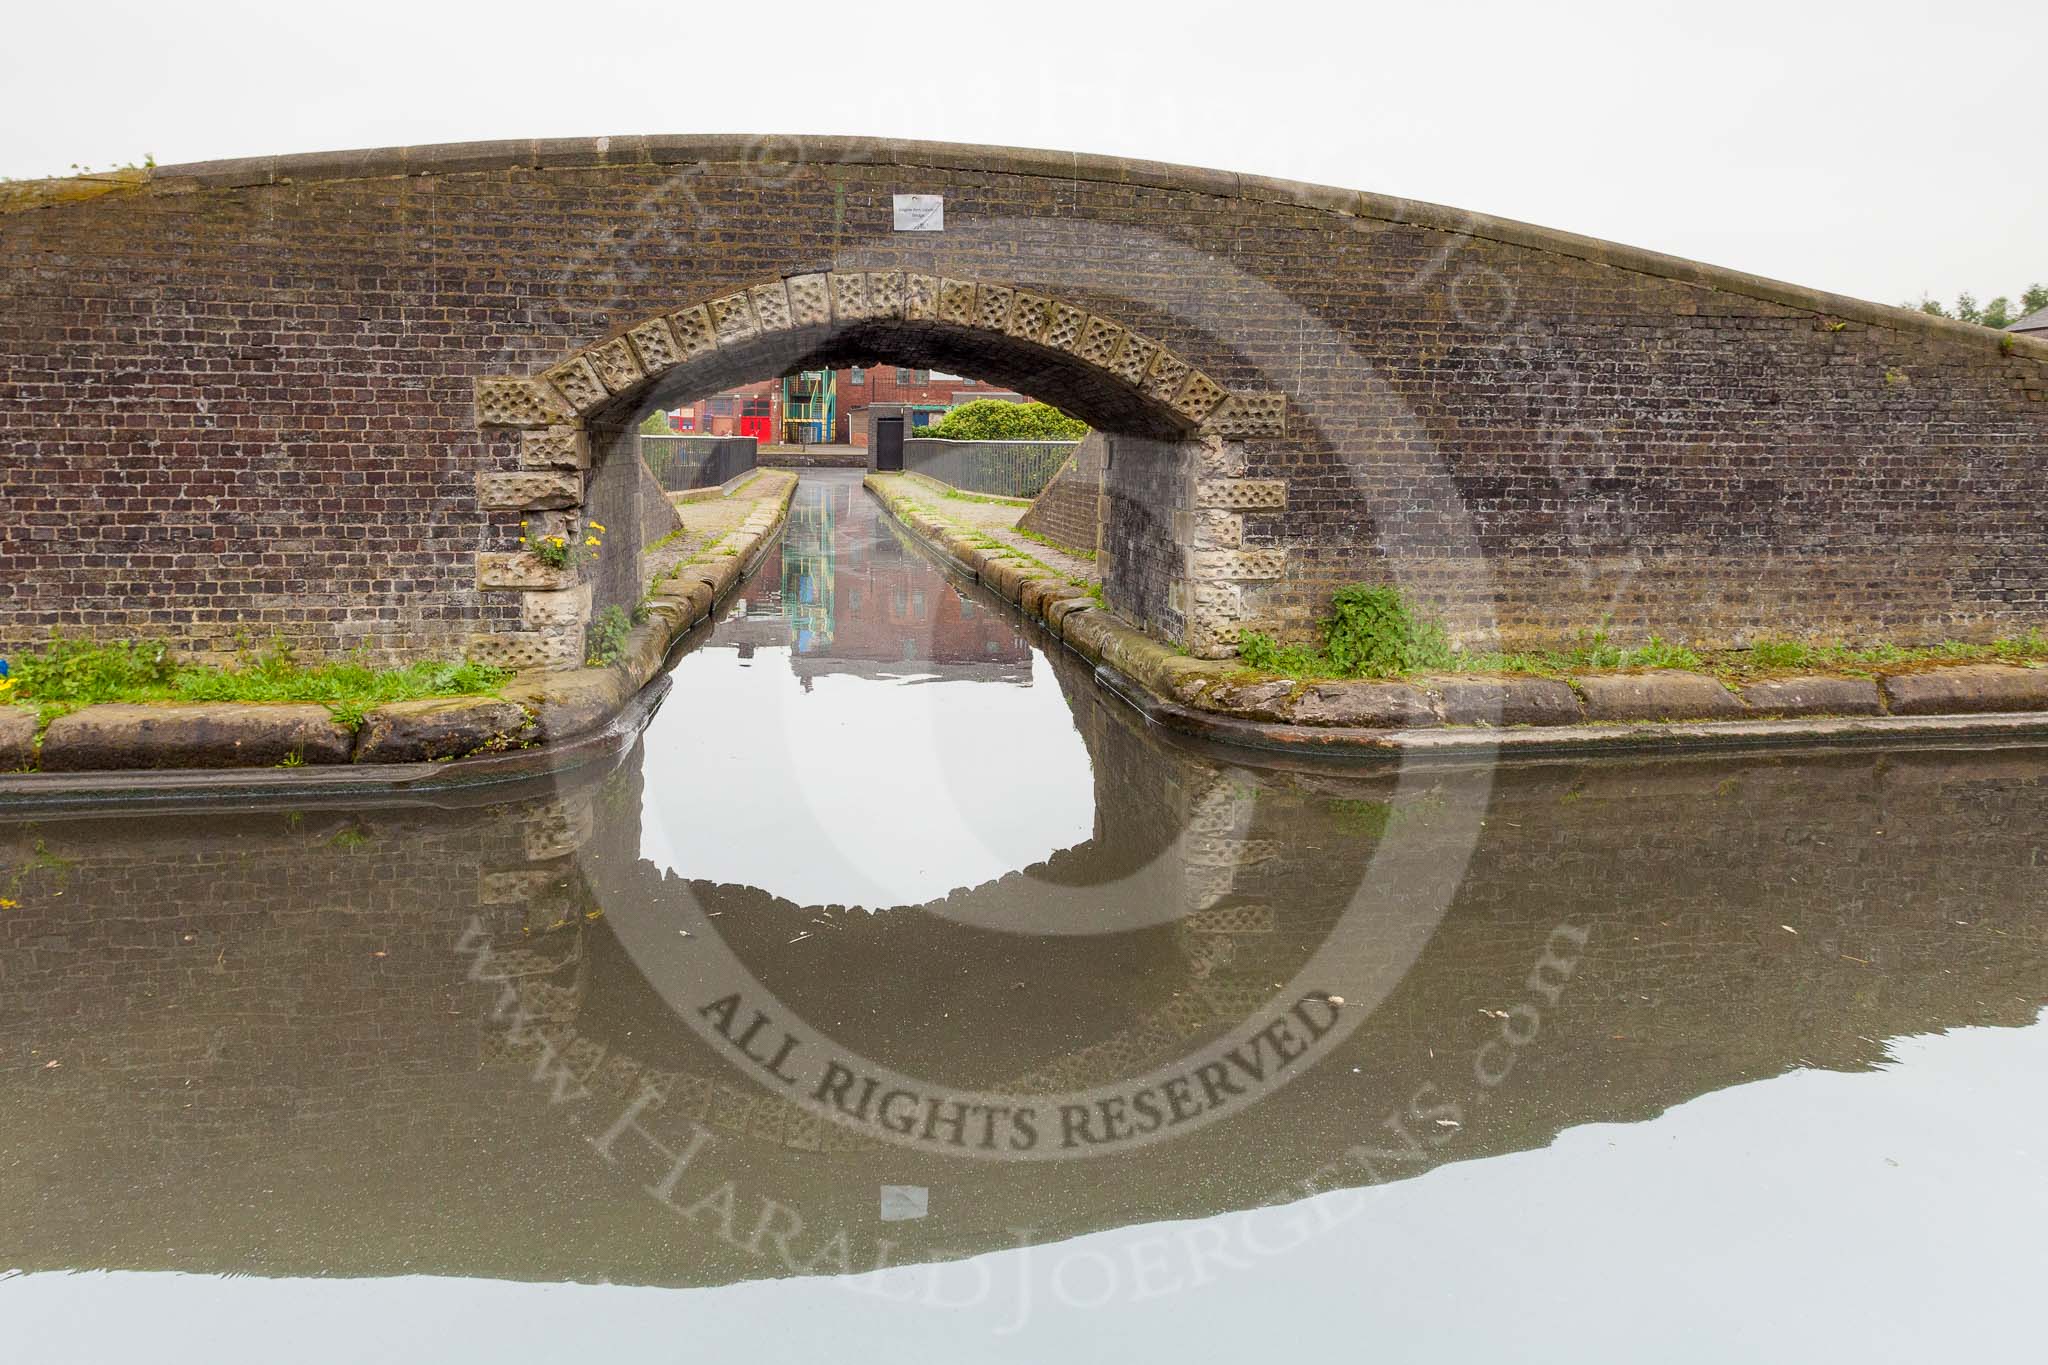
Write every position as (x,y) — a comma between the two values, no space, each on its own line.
(6,904)
(597,526)
(592,541)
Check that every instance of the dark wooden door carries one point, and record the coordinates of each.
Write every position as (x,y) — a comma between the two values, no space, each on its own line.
(889,443)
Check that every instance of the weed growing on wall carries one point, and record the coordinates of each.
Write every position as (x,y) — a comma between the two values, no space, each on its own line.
(1373,633)
(607,637)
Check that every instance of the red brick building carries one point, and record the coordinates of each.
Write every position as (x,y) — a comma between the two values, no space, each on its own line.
(928,394)
(750,410)
(757,410)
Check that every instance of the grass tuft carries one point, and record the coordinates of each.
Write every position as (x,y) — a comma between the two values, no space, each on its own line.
(68,674)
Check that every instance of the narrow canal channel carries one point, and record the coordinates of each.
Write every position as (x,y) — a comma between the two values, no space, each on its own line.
(903,996)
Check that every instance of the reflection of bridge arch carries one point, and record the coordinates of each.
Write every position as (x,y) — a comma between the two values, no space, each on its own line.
(1189,864)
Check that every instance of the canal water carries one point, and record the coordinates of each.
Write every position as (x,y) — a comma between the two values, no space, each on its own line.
(902,996)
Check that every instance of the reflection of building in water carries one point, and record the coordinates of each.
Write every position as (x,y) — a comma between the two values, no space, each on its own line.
(858,601)
(808,570)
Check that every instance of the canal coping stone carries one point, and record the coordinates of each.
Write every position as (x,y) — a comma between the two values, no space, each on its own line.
(1647,701)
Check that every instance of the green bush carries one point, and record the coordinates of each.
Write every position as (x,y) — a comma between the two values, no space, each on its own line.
(1370,633)
(1373,634)
(991,419)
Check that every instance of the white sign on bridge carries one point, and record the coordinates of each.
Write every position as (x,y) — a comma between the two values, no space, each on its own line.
(920,213)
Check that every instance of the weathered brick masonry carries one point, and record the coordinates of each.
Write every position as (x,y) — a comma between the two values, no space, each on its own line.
(244,398)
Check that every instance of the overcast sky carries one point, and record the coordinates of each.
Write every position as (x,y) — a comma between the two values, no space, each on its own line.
(1876,149)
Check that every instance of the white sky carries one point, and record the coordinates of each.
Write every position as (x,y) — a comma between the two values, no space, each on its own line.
(1878,149)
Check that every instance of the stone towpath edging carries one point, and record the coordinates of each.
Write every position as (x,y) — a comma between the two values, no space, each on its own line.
(536,707)
(1222,700)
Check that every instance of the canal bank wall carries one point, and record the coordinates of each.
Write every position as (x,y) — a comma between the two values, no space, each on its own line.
(1642,708)
(538,707)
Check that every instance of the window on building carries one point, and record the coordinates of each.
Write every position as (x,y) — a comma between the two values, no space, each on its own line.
(856,376)
(904,376)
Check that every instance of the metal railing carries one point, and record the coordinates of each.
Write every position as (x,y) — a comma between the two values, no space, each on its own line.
(1009,469)
(681,463)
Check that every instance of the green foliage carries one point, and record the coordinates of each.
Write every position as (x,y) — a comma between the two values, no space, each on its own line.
(991,419)
(71,673)
(76,670)
(1370,633)
(2000,312)
(656,423)
(607,637)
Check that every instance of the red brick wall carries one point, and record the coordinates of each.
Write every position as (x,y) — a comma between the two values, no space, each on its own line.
(879,384)
(240,399)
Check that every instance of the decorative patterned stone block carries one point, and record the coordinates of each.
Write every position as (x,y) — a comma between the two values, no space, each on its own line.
(656,345)
(508,402)
(538,610)
(1250,414)
(576,380)
(920,296)
(694,331)
(992,306)
(1135,358)
(1064,326)
(1167,374)
(1218,530)
(1222,600)
(527,649)
(1213,639)
(1198,397)
(555,448)
(885,293)
(514,887)
(849,295)
(616,365)
(1029,314)
(522,571)
(771,307)
(1207,851)
(1233,919)
(1217,458)
(1241,495)
(1240,564)
(1100,341)
(956,302)
(810,300)
(530,490)
(732,319)
(556,828)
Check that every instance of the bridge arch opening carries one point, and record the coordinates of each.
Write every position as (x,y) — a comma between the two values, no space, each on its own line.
(578,423)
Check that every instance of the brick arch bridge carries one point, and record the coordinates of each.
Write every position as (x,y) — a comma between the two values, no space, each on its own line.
(256,398)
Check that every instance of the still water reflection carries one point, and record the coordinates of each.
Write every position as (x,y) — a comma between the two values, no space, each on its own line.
(1701,1058)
